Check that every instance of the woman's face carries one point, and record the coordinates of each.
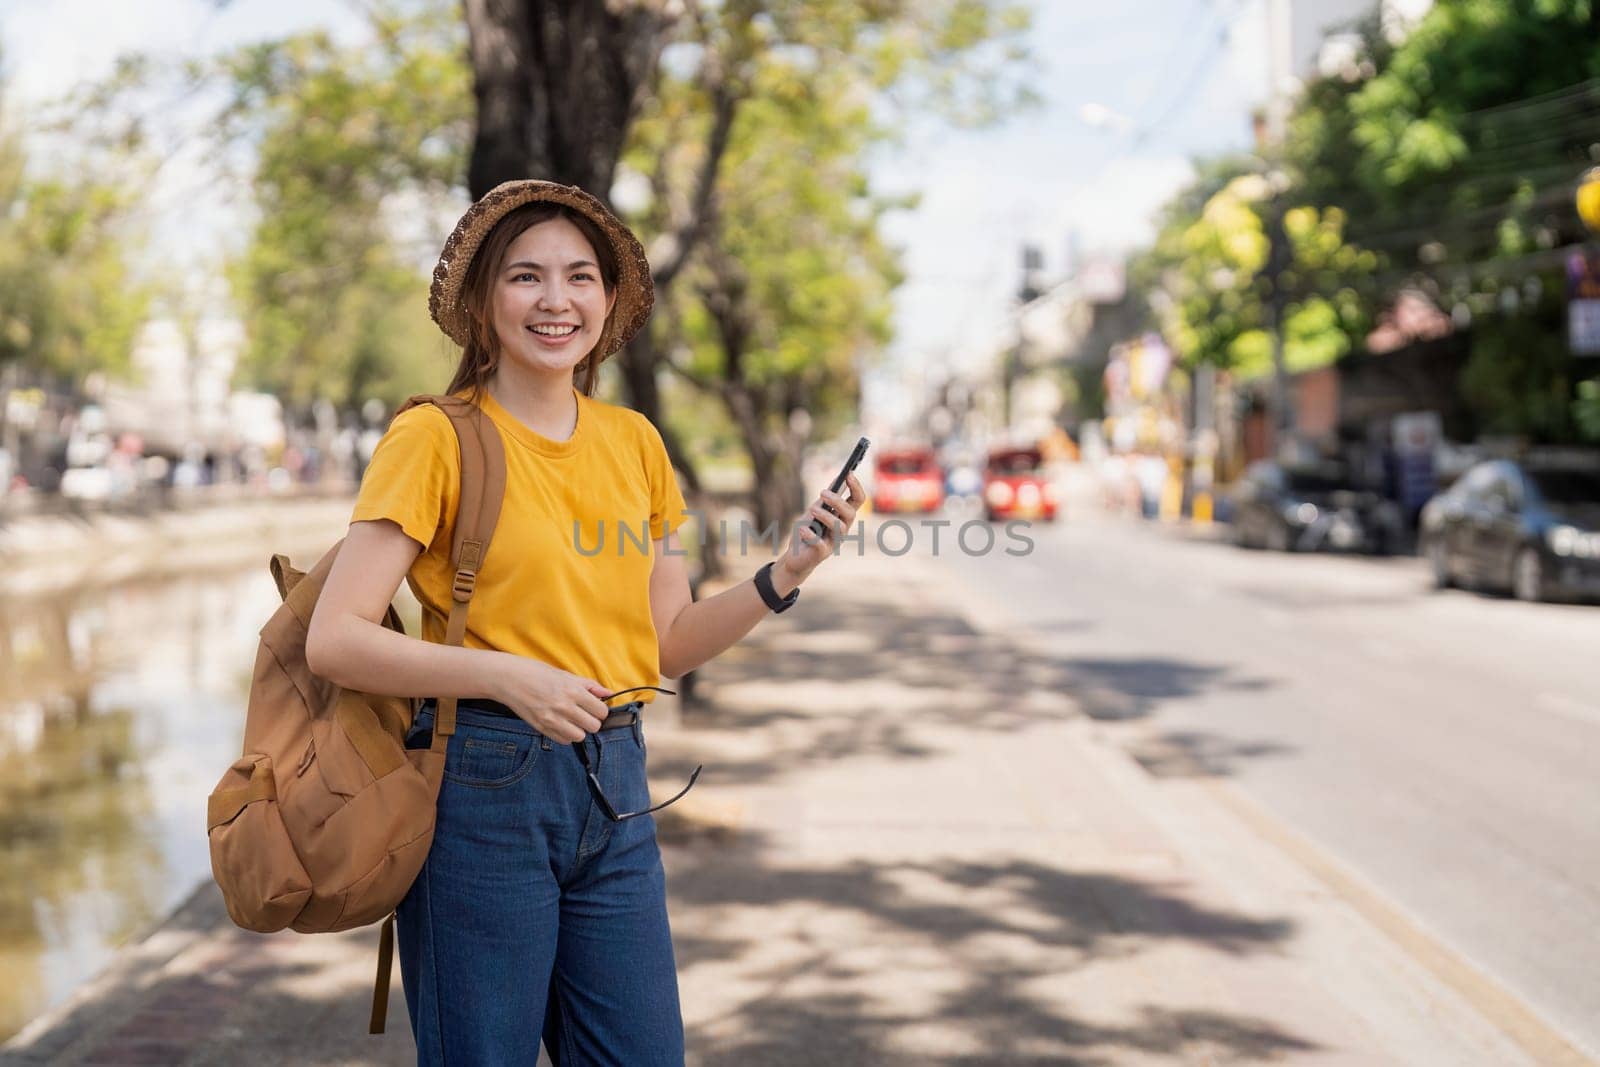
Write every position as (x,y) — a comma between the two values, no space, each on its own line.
(549,303)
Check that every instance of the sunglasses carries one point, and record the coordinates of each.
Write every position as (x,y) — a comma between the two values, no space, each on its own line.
(592,770)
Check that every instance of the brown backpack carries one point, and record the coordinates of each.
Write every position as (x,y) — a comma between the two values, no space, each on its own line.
(324,822)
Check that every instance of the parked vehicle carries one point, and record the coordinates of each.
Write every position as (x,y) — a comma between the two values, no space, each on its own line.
(1015,486)
(1527,528)
(907,479)
(1317,507)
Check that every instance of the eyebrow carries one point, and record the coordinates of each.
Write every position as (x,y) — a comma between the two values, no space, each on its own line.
(574,265)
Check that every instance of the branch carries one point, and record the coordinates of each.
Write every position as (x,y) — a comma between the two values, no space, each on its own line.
(694,378)
(727,91)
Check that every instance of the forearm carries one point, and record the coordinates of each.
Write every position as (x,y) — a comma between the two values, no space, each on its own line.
(361,655)
(708,627)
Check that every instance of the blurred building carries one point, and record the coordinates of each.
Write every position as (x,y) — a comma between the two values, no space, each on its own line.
(179,393)
(1312,38)
(1030,382)
(179,401)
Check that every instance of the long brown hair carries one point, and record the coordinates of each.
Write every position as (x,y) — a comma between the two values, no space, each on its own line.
(480,357)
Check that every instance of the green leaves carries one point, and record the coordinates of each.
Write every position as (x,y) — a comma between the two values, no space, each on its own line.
(1445,162)
(334,303)
(1213,266)
(790,293)
(68,304)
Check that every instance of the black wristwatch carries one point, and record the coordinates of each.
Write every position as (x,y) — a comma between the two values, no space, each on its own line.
(778,604)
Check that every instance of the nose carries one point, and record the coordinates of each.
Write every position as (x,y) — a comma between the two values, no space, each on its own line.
(553,295)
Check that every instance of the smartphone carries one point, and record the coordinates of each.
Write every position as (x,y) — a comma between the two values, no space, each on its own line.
(856,455)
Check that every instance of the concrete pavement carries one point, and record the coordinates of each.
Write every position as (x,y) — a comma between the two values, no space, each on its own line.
(909,846)
(1439,746)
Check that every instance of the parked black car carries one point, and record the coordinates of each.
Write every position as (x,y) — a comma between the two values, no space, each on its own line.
(1309,508)
(1530,529)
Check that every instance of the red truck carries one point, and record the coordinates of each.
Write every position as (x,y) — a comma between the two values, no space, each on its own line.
(907,479)
(1015,486)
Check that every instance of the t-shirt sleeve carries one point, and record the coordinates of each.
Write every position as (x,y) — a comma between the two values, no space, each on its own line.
(414,476)
(667,509)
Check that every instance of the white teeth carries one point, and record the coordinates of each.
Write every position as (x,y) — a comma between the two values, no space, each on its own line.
(553,331)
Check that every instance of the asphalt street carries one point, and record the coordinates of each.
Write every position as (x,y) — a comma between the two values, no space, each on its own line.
(1440,747)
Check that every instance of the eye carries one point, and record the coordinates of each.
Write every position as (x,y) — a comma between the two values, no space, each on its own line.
(584,274)
(524,274)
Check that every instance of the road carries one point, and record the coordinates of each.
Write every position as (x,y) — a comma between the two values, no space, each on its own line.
(1440,747)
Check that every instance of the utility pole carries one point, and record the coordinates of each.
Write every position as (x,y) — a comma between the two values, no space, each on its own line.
(1012,360)
(1279,259)
(1270,129)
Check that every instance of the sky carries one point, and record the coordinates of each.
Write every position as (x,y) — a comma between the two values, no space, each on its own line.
(1132,92)
(1172,88)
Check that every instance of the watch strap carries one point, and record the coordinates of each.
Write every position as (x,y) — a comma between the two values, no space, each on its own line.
(778,604)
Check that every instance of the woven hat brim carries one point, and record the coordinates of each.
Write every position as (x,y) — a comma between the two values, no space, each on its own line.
(635,290)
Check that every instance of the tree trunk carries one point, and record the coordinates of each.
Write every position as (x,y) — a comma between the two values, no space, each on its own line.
(557,85)
(637,364)
(764,501)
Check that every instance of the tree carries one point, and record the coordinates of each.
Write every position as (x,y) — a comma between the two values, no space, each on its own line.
(560,89)
(1456,152)
(557,86)
(532,60)
(344,139)
(789,295)
(69,306)
(1444,162)
(1211,269)
(716,143)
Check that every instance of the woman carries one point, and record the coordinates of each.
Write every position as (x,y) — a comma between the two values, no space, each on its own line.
(542,906)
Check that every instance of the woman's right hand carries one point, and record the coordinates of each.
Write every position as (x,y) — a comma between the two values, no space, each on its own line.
(563,706)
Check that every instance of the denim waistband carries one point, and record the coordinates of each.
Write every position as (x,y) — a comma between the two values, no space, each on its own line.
(619,717)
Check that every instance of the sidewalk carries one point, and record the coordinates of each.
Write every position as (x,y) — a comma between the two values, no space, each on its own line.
(907,847)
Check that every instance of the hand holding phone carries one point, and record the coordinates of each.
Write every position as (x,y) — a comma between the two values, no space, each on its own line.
(856,455)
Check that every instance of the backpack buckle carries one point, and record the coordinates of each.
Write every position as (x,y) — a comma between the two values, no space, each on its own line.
(465,582)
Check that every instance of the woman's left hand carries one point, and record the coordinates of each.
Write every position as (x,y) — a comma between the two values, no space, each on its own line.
(804,555)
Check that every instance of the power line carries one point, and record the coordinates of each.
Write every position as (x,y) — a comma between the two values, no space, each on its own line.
(1543,259)
(1171,58)
(1496,214)
(1185,93)
(1591,87)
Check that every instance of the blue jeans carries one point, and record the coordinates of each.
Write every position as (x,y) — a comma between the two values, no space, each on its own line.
(535,915)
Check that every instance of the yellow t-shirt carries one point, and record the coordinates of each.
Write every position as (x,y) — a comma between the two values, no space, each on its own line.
(577,598)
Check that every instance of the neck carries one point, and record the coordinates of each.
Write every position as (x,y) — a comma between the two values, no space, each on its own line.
(542,402)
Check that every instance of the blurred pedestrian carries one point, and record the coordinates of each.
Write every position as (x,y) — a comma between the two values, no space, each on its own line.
(543,896)
(1151,472)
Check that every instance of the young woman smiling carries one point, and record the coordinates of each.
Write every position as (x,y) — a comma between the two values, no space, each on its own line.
(541,909)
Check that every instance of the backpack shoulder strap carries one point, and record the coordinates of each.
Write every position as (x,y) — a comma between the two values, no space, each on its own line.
(483,487)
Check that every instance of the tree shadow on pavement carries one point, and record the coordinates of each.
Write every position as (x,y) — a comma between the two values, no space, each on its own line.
(1122,689)
(982,970)
(952,959)
(1198,754)
(942,672)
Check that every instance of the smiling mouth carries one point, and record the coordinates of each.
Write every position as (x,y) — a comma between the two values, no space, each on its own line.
(552,333)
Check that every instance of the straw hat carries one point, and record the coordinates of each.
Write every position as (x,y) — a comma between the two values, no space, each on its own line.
(635,291)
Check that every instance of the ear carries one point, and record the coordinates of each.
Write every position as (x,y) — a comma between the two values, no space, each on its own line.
(611,302)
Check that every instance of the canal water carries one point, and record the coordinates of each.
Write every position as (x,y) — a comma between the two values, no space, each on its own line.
(120,709)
